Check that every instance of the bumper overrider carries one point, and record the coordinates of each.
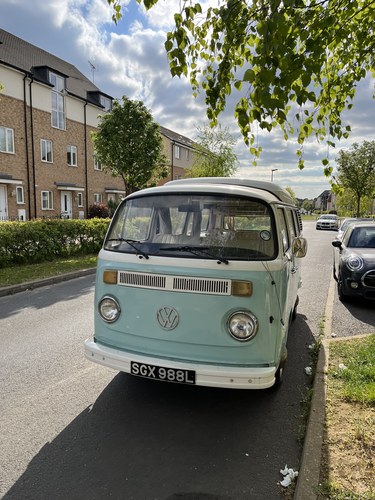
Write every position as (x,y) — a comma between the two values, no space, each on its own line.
(181,372)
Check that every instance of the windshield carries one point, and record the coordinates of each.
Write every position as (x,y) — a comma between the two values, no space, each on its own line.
(362,237)
(196,225)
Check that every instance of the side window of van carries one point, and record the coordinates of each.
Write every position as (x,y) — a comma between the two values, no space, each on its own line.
(284,230)
(291,223)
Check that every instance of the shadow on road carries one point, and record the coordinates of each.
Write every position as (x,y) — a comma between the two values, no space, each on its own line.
(152,440)
(46,296)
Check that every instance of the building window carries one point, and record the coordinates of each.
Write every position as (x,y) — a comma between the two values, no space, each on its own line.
(98,198)
(187,154)
(106,102)
(97,164)
(6,140)
(80,199)
(71,153)
(177,151)
(19,195)
(58,101)
(47,200)
(46,150)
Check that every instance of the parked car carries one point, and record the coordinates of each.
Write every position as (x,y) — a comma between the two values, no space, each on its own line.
(354,262)
(346,222)
(328,221)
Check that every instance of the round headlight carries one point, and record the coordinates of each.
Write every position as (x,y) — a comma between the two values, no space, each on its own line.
(242,326)
(354,262)
(109,309)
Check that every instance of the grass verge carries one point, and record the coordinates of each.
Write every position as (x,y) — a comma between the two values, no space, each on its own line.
(15,275)
(348,462)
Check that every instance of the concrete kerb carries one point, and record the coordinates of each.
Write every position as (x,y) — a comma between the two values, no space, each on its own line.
(308,479)
(12,289)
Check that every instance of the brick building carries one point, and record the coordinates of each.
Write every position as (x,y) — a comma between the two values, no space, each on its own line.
(48,110)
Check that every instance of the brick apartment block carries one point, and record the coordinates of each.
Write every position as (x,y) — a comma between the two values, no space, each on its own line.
(48,110)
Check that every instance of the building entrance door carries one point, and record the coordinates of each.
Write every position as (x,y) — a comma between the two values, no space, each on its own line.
(3,203)
(66,204)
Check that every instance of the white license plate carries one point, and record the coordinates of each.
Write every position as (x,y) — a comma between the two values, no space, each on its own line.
(161,373)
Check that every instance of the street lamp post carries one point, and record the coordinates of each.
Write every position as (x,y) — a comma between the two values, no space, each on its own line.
(272,171)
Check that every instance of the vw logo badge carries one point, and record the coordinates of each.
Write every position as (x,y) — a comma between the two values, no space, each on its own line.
(167,317)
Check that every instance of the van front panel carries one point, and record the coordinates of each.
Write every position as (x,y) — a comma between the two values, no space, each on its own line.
(200,332)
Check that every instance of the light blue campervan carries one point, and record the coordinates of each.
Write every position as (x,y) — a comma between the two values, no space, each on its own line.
(197,283)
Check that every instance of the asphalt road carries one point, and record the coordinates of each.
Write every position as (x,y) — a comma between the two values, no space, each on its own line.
(74,430)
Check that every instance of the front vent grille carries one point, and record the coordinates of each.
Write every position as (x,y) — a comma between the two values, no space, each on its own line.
(142,280)
(175,283)
(369,279)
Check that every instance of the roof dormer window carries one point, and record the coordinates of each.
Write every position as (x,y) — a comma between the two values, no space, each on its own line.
(106,102)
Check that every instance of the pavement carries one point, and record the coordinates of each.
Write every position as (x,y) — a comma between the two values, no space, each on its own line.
(309,472)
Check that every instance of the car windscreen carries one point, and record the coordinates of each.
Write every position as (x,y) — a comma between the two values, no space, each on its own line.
(362,237)
(195,225)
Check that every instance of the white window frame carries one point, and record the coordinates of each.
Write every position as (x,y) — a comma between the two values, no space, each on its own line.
(98,198)
(106,102)
(47,200)
(80,199)
(71,154)
(8,140)
(177,151)
(45,150)
(20,195)
(57,101)
(97,164)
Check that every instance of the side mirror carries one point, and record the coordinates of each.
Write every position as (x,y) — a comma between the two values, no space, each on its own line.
(337,243)
(299,247)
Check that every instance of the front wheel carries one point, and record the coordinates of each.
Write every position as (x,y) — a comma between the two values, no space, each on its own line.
(340,291)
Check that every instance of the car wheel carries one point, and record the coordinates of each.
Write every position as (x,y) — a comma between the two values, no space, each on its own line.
(294,312)
(340,291)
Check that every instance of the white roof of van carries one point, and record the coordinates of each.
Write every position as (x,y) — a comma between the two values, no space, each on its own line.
(270,187)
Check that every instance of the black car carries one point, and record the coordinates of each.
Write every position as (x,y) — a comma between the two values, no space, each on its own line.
(354,262)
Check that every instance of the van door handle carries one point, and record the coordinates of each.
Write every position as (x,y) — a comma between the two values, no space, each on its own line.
(294,270)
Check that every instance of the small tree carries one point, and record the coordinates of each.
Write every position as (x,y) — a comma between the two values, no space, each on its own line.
(356,171)
(129,145)
(292,194)
(214,154)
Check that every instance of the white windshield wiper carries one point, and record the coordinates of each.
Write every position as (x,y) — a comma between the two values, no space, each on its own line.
(131,243)
(197,251)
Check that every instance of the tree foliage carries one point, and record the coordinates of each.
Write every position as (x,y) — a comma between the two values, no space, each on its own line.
(129,145)
(294,63)
(356,171)
(214,153)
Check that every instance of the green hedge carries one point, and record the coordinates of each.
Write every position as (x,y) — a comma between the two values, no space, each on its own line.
(40,240)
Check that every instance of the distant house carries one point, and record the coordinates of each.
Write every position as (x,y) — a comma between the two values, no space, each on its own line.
(326,201)
(48,110)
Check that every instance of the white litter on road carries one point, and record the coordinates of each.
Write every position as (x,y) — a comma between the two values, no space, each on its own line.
(308,370)
(289,475)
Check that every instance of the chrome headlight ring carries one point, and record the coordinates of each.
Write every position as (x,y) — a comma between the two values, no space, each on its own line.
(242,326)
(109,309)
(354,262)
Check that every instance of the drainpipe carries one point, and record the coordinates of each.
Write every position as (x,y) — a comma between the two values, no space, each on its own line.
(86,162)
(172,144)
(32,144)
(26,147)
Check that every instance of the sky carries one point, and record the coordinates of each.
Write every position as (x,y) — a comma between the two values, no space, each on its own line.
(130,59)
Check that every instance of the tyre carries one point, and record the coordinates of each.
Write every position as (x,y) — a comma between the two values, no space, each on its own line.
(340,291)
(294,312)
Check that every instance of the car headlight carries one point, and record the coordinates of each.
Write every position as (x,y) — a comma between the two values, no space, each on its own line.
(242,326)
(354,263)
(109,309)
